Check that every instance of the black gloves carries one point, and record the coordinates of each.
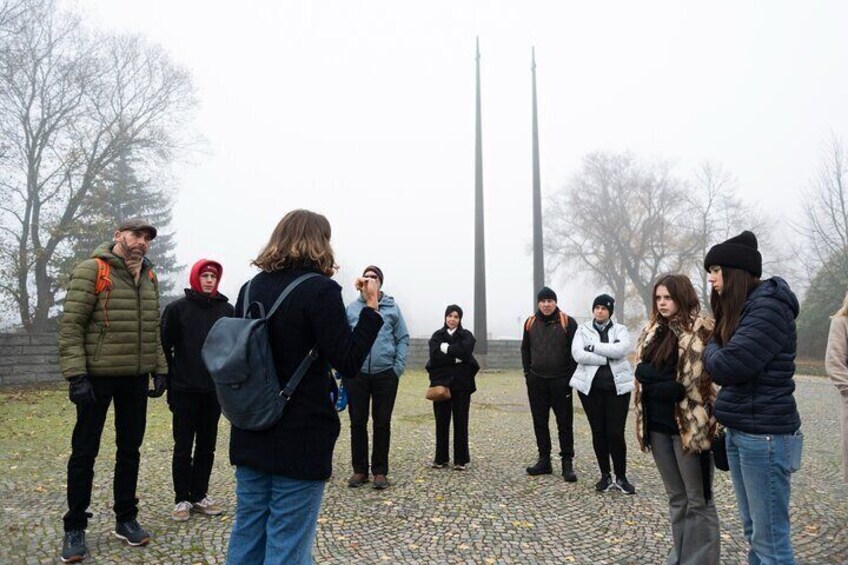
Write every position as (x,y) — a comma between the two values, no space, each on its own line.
(590,348)
(80,391)
(160,383)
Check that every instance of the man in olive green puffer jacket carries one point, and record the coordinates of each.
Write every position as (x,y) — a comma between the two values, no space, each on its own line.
(109,347)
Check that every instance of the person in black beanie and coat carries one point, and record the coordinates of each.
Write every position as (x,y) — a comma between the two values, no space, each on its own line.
(548,368)
(452,364)
(752,357)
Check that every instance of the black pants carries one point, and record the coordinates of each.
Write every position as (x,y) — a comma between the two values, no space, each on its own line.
(458,406)
(130,396)
(607,415)
(377,392)
(545,394)
(195,423)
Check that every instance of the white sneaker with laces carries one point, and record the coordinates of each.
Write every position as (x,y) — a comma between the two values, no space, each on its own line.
(207,506)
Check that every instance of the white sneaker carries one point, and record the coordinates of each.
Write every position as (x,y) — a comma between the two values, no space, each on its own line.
(182,511)
(207,506)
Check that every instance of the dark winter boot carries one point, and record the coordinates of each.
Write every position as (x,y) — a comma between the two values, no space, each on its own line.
(542,467)
(568,471)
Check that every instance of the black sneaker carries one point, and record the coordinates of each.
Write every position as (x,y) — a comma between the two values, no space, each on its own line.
(568,472)
(542,467)
(622,484)
(73,547)
(604,484)
(132,533)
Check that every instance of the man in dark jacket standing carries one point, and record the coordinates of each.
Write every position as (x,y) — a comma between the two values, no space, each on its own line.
(191,393)
(109,347)
(548,368)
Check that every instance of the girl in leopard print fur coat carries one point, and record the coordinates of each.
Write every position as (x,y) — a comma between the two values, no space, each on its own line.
(673,399)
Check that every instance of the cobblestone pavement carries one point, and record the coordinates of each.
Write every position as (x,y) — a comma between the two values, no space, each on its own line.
(492,513)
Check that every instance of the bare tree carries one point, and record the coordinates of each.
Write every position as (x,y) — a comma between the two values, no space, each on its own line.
(826,207)
(623,222)
(74,102)
(825,233)
(716,214)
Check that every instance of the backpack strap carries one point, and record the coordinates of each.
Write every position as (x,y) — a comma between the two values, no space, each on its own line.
(287,392)
(103,283)
(563,320)
(285,294)
(529,323)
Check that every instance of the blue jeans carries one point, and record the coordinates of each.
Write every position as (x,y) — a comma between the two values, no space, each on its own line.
(760,466)
(275,521)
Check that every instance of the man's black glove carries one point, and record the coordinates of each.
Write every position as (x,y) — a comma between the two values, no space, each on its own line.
(80,391)
(160,383)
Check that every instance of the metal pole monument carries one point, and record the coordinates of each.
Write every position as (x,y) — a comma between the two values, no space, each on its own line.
(480,331)
(538,243)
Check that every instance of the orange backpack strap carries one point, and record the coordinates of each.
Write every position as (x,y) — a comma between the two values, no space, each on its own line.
(104,279)
(103,283)
(563,320)
(529,323)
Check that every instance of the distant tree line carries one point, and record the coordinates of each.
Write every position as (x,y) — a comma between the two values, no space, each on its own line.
(623,221)
(89,123)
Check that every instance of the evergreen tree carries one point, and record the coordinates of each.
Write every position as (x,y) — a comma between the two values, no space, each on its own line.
(119,194)
(823,298)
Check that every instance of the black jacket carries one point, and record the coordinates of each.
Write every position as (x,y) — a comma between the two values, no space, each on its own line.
(300,446)
(755,367)
(444,369)
(546,346)
(184,325)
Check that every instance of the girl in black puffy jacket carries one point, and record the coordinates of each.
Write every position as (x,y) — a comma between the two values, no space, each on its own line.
(452,364)
(752,357)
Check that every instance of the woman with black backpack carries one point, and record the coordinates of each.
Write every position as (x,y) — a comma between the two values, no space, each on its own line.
(281,471)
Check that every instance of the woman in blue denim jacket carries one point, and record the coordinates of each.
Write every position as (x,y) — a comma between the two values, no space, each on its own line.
(752,357)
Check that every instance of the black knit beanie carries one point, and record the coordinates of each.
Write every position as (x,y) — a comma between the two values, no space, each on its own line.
(453,308)
(606,301)
(376,270)
(546,294)
(738,252)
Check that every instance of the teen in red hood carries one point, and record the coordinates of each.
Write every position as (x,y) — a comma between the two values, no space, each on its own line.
(185,323)
(205,266)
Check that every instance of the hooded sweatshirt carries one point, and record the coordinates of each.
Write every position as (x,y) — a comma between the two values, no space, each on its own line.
(389,350)
(185,324)
(755,368)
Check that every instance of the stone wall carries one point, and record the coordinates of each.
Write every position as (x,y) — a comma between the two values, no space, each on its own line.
(503,354)
(28,358)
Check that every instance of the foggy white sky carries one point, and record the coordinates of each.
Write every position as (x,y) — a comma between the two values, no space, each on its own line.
(364,111)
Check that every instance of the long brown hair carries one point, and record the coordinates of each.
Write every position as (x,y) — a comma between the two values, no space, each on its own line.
(737,284)
(300,241)
(680,288)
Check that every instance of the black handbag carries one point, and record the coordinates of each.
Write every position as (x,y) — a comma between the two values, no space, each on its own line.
(719,449)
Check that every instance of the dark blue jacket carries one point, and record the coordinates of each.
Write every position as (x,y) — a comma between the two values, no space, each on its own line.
(756,366)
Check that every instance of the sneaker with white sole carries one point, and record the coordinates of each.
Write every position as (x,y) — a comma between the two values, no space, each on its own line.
(182,511)
(132,532)
(207,506)
(622,484)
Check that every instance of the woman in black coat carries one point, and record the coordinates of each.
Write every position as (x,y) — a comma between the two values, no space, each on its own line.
(281,471)
(452,364)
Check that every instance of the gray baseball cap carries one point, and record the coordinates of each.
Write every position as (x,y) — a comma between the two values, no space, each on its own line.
(138,224)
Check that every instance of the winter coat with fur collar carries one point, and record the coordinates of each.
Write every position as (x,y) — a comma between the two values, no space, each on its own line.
(694,412)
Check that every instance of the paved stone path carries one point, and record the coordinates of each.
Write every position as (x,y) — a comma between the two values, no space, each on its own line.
(492,513)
